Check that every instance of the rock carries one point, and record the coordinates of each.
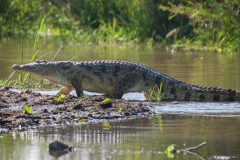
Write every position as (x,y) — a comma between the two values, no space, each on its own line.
(57,149)
(57,145)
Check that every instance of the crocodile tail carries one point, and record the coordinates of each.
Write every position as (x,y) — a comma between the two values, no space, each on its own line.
(186,92)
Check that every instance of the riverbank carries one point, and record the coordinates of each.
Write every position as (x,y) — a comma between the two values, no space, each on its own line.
(71,110)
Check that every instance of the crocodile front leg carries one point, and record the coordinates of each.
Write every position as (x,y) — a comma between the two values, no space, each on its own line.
(77,85)
(65,90)
(123,84)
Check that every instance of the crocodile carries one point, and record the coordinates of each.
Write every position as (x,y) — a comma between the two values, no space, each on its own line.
(114,78)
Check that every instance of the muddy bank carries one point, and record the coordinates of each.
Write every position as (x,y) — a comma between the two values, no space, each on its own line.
(72,110)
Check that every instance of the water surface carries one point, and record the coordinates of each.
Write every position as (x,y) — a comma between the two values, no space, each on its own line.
(183,124)
(140,138)
(195,67)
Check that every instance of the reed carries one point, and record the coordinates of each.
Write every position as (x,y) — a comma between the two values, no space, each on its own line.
(155,93)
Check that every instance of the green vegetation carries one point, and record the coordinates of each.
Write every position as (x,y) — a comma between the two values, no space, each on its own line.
(59,99)
(170,151)
(106,101)
(193,24)
(213,25)
(27,110)
(25,80)
(106,125)
(155,93)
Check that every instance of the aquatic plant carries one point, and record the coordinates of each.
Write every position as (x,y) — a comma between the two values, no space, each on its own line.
(171,151)
(155,93)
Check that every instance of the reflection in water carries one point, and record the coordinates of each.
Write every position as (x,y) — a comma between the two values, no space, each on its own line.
(140,138)
(57,154)
(231,109)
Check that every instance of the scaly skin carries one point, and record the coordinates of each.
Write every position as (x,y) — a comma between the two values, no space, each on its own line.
(114,78)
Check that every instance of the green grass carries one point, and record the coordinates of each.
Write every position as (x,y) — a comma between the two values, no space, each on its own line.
(155,92)
(25,80)
(59,99)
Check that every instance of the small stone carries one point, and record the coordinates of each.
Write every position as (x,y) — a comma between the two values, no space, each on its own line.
(45,110)
(145,109)
(57,145)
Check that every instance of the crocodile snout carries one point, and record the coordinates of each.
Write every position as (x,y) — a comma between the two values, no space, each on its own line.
(15,67)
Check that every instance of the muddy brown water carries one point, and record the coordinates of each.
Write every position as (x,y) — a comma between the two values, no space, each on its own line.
(181,124)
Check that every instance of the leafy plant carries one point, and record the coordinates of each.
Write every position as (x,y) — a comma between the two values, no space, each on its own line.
(59,99)
(27,110)
(170,151)
(106,101)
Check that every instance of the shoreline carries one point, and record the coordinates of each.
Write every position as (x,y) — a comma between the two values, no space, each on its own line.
(72,110)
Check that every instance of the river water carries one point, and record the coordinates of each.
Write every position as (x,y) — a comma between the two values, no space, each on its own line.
(182,124)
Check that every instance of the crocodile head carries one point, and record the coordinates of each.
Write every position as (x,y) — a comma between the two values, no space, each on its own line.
(46,70)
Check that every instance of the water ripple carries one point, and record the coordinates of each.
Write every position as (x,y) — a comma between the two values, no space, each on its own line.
(199,108)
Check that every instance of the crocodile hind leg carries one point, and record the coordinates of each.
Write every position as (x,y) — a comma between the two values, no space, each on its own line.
(77,85)
(123,84)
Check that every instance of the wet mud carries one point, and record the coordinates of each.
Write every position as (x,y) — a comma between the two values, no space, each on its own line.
(72,110)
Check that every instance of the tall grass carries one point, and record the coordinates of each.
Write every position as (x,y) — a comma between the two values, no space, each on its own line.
(155,93)
(25,78)
(209,24)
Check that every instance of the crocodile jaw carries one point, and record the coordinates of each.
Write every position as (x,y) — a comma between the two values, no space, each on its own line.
(47,72)
(27,68)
